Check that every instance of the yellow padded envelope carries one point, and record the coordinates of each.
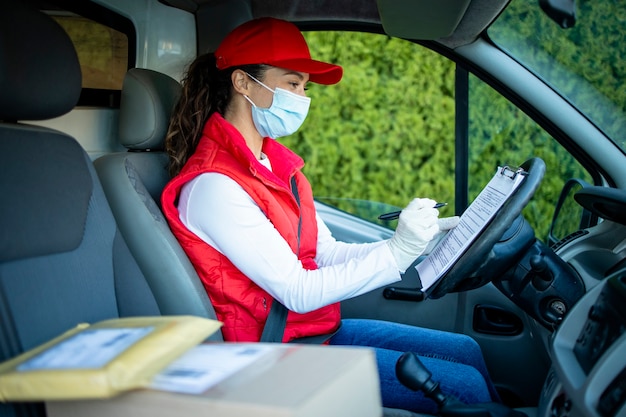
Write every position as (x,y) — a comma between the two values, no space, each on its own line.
(101,360)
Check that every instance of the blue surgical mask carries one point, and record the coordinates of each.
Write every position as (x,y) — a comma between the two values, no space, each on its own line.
(283,117)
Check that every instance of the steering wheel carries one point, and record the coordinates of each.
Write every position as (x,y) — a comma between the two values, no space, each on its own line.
(479,264)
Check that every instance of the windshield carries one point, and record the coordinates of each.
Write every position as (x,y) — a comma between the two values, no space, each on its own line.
(584,63)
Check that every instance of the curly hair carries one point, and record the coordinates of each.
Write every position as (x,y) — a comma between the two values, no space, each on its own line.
(205,90)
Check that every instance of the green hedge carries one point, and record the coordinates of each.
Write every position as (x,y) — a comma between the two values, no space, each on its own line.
(386,132)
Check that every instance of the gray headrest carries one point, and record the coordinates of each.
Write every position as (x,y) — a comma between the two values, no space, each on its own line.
(148,98)
(39,72)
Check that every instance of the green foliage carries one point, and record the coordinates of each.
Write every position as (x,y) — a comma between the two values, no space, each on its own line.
(585,62)
(500,134)
(386,131)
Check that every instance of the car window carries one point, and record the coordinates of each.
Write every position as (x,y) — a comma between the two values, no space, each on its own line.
(105,44)
(102,51)
(586,63)
(385,133)
(501,134)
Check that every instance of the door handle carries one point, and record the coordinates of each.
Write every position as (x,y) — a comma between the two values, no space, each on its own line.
(403,294)
(496,320)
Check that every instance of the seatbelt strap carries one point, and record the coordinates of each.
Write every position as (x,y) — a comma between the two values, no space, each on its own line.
(274,328)
(296,194)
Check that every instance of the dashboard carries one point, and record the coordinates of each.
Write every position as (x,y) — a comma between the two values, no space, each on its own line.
(588,374)
(576,293)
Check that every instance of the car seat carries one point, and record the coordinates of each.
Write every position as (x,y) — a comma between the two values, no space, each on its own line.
(133,182)
(63,260)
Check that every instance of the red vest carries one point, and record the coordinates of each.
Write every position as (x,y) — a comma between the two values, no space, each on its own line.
(239,303)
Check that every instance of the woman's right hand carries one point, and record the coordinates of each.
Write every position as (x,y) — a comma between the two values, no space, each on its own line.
(417,226)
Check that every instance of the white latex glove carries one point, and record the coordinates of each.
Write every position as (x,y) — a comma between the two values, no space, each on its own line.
(445,225)
(417,225)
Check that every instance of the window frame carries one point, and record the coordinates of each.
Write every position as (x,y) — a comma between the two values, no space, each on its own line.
(94,97)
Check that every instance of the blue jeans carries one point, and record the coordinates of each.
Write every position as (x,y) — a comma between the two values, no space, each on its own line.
(455,361)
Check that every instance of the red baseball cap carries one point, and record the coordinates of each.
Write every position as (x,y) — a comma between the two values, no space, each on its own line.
(277,43)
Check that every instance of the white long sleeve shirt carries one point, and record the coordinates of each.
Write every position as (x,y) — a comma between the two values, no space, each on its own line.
(222,214)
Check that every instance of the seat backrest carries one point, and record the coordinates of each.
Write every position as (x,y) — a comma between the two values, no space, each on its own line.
(62,259)
(133,182)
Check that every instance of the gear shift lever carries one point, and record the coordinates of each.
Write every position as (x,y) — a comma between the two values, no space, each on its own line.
(412,373)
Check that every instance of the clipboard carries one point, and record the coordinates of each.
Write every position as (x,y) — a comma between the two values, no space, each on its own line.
(473,222)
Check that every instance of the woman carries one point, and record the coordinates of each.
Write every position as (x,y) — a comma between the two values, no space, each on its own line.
(244,214)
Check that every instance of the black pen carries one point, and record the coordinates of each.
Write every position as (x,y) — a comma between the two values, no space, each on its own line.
(395,214)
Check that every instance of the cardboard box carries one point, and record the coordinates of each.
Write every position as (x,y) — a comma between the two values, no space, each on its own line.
(291,380)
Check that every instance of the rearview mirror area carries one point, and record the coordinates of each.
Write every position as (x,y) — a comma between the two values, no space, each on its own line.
(563,12)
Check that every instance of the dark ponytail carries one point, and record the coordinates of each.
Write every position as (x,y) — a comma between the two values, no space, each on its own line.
(205,90)
(197,102)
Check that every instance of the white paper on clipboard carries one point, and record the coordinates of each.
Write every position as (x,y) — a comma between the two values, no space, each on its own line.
(472,222)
